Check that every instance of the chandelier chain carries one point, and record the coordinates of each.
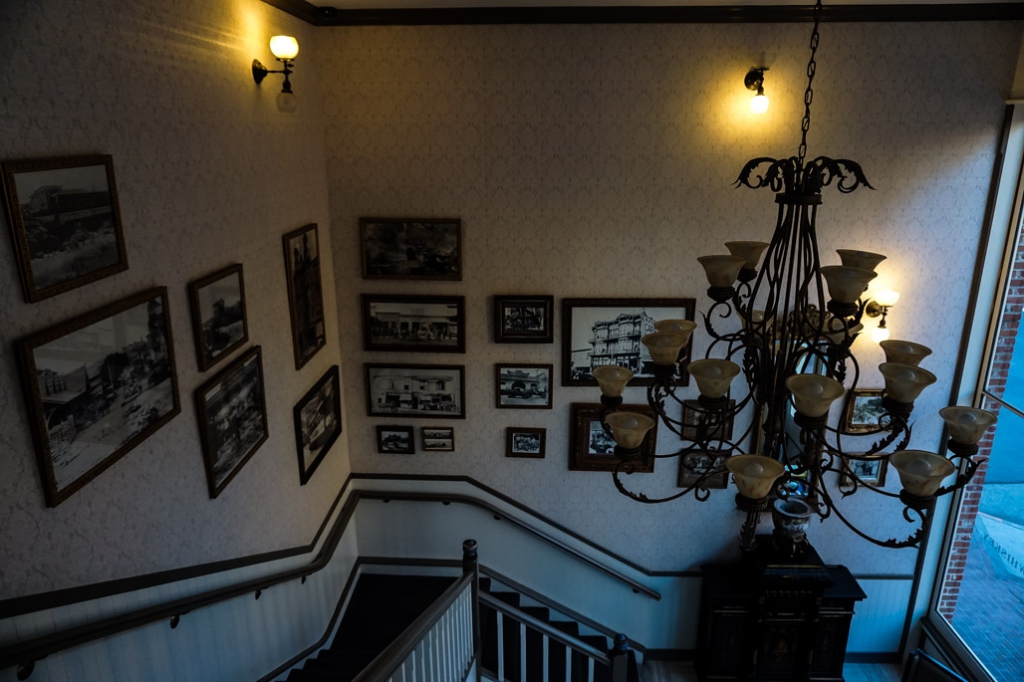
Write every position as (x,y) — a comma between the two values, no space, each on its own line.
(812,66)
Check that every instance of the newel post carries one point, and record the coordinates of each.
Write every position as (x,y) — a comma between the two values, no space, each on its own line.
(470,565)
(620,658)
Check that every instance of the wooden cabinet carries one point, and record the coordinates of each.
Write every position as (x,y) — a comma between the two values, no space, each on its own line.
(773,618)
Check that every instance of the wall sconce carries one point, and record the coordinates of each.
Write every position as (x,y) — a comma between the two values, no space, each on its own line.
(285,48)
(879,305)
(754,80)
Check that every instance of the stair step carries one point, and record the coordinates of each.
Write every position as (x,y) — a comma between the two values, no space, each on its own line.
(510,598)
(596,641)
(538,612)
(569,627)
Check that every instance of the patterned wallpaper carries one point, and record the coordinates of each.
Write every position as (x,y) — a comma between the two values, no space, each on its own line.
(209,173)
(597,161)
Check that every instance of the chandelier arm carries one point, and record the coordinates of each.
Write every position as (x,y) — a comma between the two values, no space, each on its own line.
(700,494)
(912,540)
(964,477)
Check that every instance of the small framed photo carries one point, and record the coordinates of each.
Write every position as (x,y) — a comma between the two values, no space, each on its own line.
(416,391)
(607,331)
(693,465)
(524,386)
(96,386)
(218,315)
(414,323)
(525,442)
(863,411)
(317,423)
(232,418)
(437,438)
(396,440)
(871,471)
(524,319)
(591,448)
(692,429)
(305,295)
(411,248)
(65,222)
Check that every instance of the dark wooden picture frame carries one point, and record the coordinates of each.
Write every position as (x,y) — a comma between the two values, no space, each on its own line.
(862,411)
(524,319)
(871,472)
(109,374)
(529,443)
(411,323)
(411,248)
(65,222)
(522,386)
(219,323)
(693,465)
(691,430)
(591,449)
(232,412)
(317,422)
(437,438)
(586,319)
(393,439)
(397,390)
(305,292)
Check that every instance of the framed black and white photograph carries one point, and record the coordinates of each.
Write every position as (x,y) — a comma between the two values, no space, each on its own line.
(607,331)
(591,448)
(693,465)
(218,315)
(434,324)
(870,471)
(232,413)
(523,386)
(437,438)
(317,423)
(305,295)
(65,222)
(415,391)
(97,386)
(526,442)
(863,411)
(693,429)
(524,319)
(411,248)
(397,440)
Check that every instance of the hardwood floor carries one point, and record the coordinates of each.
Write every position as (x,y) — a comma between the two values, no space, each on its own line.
(663,671)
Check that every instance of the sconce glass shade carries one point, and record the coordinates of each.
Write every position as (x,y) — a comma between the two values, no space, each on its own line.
(612,379)
(759,104)
(967,424)
(880,334)
(722,271)
(886,297)
(287,102)
(684,327)
(903,383)
(860,259)
(905,352)
(921,472)
(813,393)
(749,251)
(629,428)
(846,284)
(284,47)
(664,347)
(713,376)
(754,474)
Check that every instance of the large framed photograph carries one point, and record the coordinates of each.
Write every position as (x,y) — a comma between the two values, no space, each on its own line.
(414,323)
(411,248)
(607,331)
(97,386)
(693,430)
(524,319)
(317,423)
(218,315)
(863,411)
(523,386)
(525,442)
(65,222)
(416,391)
(870,471)
(232,418)
(693,465)
(305,295)
(396,440)
(437,438)
(591,448)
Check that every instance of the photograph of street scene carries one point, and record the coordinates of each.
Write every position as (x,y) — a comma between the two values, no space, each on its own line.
(525,386)
(306,299)
(318,422)
(219,314)
(415,391)
(416,249)
(438,438)
(414,323)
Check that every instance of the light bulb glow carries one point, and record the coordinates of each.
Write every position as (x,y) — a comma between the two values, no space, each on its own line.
(879,334)
(759,104)
(886,298)
(284,47)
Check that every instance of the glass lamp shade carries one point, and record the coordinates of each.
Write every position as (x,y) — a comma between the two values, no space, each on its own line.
(284,47)
(967,424)
(903,383)
(846,284)
(684,327)
(287,102)
(629,428)
(713,376)
(905,352)
(722,271)
(860,259)
(921,472)
(759,104)
(612,379)
(754,474)
(749,251)
(664,347)
(886,298)
(813,393)
(880,334)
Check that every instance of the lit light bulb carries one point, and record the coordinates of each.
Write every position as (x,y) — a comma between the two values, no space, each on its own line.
(759,104)
(880,334)
(284,47)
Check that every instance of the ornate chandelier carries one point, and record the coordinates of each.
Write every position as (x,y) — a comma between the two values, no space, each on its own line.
(793,351)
